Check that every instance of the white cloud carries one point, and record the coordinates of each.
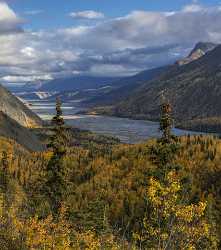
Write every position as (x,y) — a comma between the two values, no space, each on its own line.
(9,22)
(28,51)
(20,79)
(193,8)
(118,46)
(74,31)
(6,14)
(88,14)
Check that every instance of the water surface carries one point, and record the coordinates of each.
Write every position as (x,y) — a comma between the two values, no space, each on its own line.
(127,130)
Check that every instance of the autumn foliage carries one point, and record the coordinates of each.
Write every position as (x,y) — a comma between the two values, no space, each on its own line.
(162,194)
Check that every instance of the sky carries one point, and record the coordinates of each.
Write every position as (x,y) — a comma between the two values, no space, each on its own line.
(48,39)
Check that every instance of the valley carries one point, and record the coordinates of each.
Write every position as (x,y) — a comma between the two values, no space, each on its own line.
(191,85)
(110,125)
(71,170)
(127,130)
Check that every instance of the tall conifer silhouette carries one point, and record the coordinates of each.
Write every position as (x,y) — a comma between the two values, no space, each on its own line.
(55,179)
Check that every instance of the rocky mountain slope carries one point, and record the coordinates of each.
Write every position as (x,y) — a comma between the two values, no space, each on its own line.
(15,109)
(199,50)
(193,89)
(9,128)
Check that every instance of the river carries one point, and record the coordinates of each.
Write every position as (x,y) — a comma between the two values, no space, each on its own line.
(127,130)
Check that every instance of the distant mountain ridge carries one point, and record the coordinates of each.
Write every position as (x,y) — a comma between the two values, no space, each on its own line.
(77,83)
(124,87)
(109,94)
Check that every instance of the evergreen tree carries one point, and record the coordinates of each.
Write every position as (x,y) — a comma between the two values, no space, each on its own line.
(59,140)
(55,185)
(4,172)
(166,122)
(167,146)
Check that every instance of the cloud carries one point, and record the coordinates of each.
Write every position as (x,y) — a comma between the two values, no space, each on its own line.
(193,8)
(9,22)
(33,12)
(119,46)
(88,14)
(20,79)
(6,14)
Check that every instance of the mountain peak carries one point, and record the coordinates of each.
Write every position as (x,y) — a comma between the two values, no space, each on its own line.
(200,49)
(204,46)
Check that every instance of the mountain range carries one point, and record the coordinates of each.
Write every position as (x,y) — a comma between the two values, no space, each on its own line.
(123,91)
(192,85)
(127,85)
(193,88)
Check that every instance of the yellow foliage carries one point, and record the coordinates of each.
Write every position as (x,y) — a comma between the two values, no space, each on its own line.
(87,241)
(173,223)
(90,241)
(47,234)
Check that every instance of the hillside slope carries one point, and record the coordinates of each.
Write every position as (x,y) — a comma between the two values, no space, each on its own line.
(9,128)
(15,109)
(125,86)
(193,89)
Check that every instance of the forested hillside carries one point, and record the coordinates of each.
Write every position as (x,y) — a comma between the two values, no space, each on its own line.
(110,125)
(162,194)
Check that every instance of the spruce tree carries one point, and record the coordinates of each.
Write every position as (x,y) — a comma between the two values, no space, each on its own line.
(166,122)
(4,178)
(167,146)
(55,185)
(59,139)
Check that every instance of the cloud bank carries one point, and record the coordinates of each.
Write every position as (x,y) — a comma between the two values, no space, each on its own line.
(118,46)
